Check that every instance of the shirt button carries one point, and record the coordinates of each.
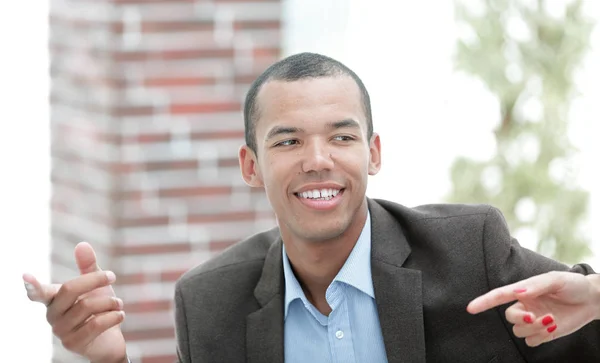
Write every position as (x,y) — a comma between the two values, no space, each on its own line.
(339,334)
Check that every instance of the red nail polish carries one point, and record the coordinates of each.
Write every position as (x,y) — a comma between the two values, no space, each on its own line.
(527,319)
(547,320)
(519,291)
(551,329)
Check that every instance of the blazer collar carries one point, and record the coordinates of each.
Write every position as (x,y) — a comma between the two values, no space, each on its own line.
(398,290)
(264,327)
(398,294)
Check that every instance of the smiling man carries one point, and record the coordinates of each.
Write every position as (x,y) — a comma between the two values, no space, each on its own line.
(345,278)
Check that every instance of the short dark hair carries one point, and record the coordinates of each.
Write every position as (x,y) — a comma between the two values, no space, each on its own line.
(293,68)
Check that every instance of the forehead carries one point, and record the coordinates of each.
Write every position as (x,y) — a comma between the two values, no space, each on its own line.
(310,100)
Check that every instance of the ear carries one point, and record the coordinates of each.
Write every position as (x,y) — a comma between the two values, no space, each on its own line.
(249,167)
(375,154)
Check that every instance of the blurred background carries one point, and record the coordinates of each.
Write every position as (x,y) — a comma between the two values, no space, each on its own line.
(121,122)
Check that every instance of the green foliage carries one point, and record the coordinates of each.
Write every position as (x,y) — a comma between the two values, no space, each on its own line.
(527,58)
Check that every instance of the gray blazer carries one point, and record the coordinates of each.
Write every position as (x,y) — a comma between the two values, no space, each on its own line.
(427,264)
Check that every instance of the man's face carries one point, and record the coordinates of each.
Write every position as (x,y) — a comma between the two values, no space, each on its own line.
(313,157)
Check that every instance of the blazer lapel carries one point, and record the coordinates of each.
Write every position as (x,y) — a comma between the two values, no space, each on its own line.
(264,327)
(398,291)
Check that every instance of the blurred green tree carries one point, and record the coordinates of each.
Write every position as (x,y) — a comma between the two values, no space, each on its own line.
(526,56)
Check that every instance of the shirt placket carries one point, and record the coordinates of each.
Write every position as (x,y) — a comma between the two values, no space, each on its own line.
(338,327)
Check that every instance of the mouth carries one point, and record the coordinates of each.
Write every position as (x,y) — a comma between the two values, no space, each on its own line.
(320,199)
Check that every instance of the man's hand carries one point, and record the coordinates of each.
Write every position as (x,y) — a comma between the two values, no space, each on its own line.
(84,312)
(549,306)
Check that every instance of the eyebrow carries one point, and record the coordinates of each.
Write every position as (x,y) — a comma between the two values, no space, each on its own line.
(281,130)
(347,123)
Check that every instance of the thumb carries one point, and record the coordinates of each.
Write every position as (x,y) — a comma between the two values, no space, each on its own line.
(86,258)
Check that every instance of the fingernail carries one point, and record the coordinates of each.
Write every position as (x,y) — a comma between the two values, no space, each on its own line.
(551,329)
(519,291)
(119,303)
(547,320)
(111,276)
(527,319)
(29,287)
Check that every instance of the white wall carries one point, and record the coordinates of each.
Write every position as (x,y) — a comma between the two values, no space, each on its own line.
(24,184)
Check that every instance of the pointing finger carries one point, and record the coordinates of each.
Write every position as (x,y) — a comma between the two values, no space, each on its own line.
(494,298)
(525,289)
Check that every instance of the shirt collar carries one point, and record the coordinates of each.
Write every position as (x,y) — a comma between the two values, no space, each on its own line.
(356,271)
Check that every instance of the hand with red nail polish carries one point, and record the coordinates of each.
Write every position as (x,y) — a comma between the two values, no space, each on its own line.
(547,320)
(546,306)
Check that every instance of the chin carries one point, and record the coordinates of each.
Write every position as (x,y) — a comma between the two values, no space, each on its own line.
(321,238)
(323,233)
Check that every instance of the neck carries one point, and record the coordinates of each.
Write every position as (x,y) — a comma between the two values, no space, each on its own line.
(315,264)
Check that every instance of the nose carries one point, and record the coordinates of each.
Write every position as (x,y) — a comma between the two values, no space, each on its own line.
(317,158)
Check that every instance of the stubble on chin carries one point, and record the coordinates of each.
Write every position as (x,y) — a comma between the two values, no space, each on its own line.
(313,233)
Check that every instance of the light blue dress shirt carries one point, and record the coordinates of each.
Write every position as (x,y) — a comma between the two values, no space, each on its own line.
(351,333)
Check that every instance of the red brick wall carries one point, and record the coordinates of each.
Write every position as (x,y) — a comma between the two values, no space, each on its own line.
(146,124)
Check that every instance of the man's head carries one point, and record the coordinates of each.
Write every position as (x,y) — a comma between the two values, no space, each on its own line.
(294,68)
(310,144)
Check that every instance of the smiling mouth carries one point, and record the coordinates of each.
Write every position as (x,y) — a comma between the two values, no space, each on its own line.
(319,194)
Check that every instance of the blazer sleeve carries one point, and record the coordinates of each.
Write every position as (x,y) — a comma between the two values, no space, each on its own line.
(181,329)
(507,262)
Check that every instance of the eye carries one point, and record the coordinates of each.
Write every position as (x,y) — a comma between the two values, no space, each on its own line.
(287,142)
(343,138)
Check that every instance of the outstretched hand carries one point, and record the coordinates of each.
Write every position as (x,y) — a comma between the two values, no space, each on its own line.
(547,307)
(84,312)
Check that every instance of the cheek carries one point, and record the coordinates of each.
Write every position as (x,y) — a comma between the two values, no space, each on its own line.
(354,160)
(275,179)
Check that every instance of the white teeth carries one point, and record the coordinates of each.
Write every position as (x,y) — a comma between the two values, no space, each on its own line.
(319,194)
